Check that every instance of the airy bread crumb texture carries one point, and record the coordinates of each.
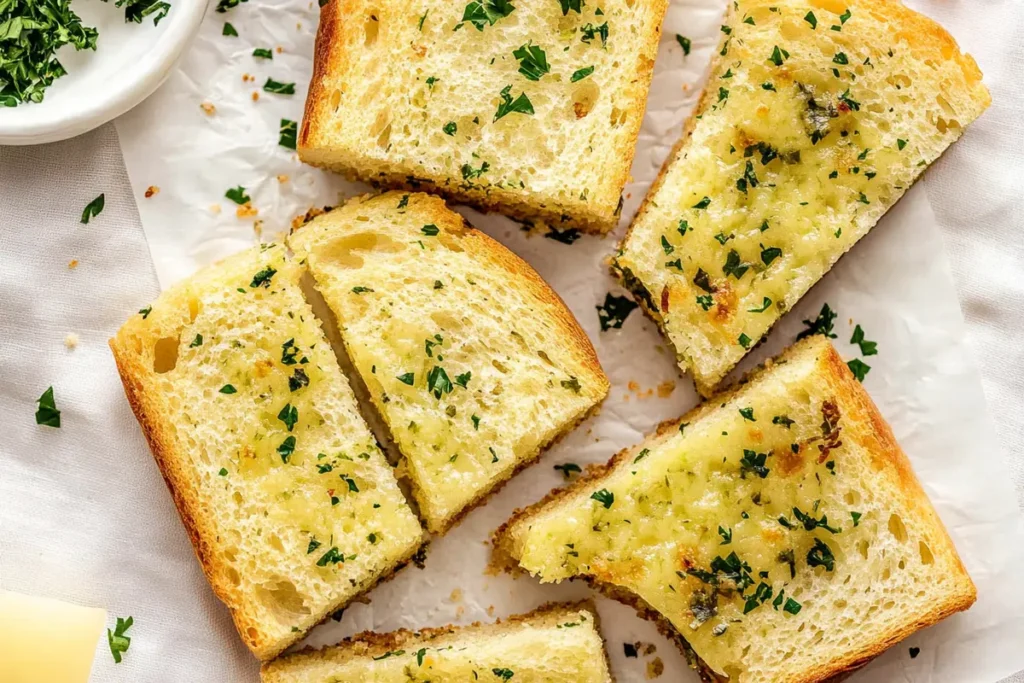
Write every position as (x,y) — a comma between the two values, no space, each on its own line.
(473,362)
(409,95)
(817,116)
(554,644)
(777,531)
(291,507)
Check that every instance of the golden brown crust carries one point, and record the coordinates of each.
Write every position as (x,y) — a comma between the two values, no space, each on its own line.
(864,422)
(374,644)
(316,98)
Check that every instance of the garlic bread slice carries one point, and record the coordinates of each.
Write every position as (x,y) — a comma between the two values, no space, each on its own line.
(291,507)
(816,118)
(553,644)
(474,363)
(777,531)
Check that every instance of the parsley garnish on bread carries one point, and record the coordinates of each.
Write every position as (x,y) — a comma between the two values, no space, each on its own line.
(777,532)
(816,119)
(528,108)
(291,507)
(474,363)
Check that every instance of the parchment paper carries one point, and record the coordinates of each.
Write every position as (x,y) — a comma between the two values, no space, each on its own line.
(895,284)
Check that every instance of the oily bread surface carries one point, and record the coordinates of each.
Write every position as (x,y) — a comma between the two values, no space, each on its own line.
(252,518)
(898,524)
(914,94)
(414,288)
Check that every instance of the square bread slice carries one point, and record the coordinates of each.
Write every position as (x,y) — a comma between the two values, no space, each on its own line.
(817,116)
(474,363)
(553,644)
(527,108)
(291,507)
(776,532)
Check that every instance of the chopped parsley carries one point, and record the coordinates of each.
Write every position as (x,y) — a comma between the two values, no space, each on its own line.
(755,463)
(238,195)
(468,172)
(198,341)
(483,13)
(821,556)
(783,420)
(568,469)
(463,379)
(450,128)
(855,516)
(262,278)
(811,19)
(859,369)
(298,380)
(614,311)
(533,63)
(823,324)
(407,378)
(287,135)
(228,389)
(144,312)
(567,236)
(117,640)
(277,88)
(361,290)
(571,5)
(726,535)
(733,266)
(430,230)
(334,556)
(703,203)
(765,303)
(604,497)
(93,208)
(286,449)
(580,74)
(770,254)
(289,415)
(229,30)
(438,382)
(684,43)
(572,384)
(521,104)
(867,348)
(262,53)
(589,32)
(748,414)
(810,523)
(778,56)
(47,413)
(503,674)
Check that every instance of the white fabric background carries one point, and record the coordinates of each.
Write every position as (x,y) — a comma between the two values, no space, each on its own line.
(975,190)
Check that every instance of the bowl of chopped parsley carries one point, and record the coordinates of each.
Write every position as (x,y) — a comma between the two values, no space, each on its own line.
(67,66)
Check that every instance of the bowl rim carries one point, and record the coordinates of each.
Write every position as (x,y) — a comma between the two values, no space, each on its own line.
(138,82)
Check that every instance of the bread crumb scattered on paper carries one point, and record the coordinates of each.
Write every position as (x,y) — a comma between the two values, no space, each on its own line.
(280,49)
(208,108)
(666,388)
(282,178)
(456,595)
(72,264)
(246,78)
(490,610)
(246,210)
(215,209)
(255,95)
(71,341)
(152,190)
(655,668)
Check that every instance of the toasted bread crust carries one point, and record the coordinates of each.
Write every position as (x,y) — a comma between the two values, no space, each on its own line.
(375,644)
(866,423)
(599,214)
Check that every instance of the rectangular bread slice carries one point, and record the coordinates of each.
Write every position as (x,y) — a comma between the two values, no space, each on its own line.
(474,363)
(817,116)
(553,644)
(777,531)
(527,108)
(291,507)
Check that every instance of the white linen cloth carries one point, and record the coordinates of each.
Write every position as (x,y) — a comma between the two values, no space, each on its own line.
(62,532)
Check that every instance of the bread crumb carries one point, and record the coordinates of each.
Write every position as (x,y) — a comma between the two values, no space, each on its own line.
(246,78)
(71,341)
(72,264)
(255,96)
(490,610)
(246,210)
(456,595)
(666,388)
(647,648)
(280,49)
(655,668)
(215,209)
(208,108)
(152,190)
(686,87)
(282,178)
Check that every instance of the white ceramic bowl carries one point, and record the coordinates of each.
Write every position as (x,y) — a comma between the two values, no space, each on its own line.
(130,62)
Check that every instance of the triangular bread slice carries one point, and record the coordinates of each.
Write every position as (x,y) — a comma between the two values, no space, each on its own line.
(816,118)
(777,531)
(291,507)
(553,644)
(474,363)
(527,108)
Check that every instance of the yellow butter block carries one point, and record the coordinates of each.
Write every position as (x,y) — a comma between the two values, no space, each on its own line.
(46,640)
